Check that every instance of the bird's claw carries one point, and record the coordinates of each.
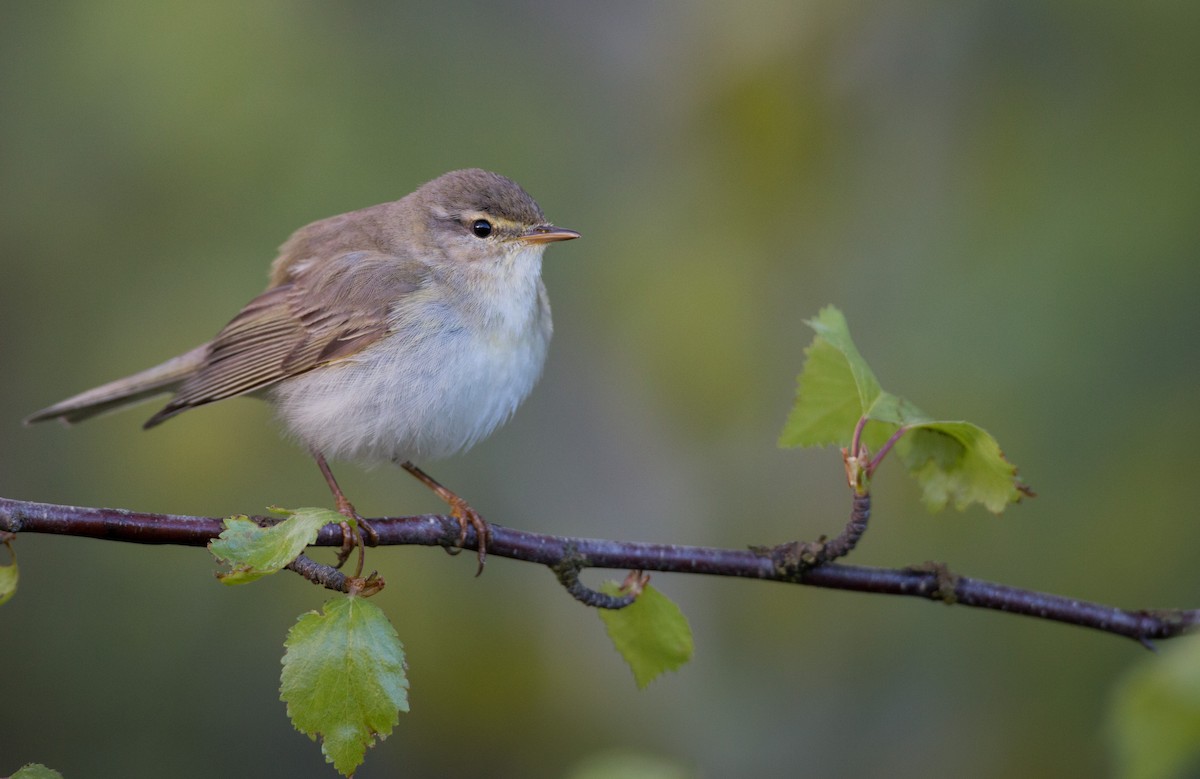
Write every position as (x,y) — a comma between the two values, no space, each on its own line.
(355,535)
(467,516)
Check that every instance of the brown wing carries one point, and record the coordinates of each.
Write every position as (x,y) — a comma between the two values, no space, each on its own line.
(326,311)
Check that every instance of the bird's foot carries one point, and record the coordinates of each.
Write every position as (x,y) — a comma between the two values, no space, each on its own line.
(462,511)
(355,535)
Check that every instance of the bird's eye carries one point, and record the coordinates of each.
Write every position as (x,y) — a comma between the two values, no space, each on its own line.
(482,228)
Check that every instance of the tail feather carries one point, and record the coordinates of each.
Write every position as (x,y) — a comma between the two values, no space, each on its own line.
(124,392)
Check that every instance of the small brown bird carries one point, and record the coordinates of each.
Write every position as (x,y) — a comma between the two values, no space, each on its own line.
(405,331)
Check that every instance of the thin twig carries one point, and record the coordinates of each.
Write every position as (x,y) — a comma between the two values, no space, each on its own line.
(568,576)
(791,560)
(318,573)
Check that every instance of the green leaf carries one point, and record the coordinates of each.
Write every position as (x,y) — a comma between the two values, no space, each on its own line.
(8,579)
(253,552)
(344,678)
(893,412)
(951,460)
(827,405)
(36,771)
(835,387)
(961,462)
(830,325)
(651,633)
(1155,716)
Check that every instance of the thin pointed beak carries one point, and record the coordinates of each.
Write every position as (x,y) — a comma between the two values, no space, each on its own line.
(548,234)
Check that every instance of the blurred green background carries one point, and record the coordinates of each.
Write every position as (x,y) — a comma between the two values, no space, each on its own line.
(1002,196)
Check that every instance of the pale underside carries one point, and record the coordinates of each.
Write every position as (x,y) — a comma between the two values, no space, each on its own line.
(401,364)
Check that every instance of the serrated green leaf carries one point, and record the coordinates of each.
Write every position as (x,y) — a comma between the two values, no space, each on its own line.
(959,461)
(830,324)
(836,388)
(36,771)
(344,679)
(1155,716)
(9,574)
(827,403)
(651,633)
(253,552)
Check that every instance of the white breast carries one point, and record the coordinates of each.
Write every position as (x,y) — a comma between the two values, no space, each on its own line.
(445,378)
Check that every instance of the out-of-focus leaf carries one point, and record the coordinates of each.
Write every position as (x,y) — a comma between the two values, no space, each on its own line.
(627,764)
(9,574)
(1155,716)
(36,771)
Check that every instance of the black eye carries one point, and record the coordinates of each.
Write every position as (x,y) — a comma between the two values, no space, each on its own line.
(482,228)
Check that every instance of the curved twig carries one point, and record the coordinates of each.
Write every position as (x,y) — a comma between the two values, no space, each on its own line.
(568,576)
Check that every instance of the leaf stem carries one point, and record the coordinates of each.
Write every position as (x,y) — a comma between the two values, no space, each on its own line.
(883,450)
(856,439)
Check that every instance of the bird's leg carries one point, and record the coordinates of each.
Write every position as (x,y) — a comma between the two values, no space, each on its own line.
(459,509)
(351,537)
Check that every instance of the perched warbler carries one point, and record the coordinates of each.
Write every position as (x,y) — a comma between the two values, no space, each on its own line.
(405,331)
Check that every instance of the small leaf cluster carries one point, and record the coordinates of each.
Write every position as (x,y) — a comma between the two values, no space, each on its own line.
(344,676)
(838,398)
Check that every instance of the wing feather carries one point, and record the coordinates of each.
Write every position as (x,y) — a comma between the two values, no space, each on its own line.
(324,312)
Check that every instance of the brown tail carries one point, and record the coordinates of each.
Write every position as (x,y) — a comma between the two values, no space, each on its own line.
(124,392)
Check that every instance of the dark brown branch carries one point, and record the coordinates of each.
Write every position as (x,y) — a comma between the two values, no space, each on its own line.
(929,581)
